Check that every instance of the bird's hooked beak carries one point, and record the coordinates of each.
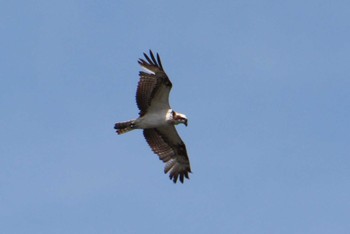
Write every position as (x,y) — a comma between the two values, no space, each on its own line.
(185,122)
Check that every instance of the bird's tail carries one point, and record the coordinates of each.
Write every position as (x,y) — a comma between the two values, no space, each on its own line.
(124,127)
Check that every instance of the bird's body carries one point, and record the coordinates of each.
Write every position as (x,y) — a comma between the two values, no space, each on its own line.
(154,119)
(158,120)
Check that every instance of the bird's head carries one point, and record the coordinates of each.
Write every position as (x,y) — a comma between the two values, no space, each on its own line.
(180,118)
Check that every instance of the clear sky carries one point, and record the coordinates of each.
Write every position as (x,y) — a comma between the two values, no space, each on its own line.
(265,85)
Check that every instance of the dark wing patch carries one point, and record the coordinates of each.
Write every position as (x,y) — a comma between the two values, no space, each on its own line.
(151,83)
(166,143)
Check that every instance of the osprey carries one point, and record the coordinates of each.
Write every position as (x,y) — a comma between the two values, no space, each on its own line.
(158,120)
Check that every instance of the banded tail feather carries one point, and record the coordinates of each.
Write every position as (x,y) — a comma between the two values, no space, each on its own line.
(124,127)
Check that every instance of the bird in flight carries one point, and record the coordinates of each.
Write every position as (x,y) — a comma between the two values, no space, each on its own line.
(158,120)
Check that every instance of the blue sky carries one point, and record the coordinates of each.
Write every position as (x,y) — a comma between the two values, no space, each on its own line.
(265,85)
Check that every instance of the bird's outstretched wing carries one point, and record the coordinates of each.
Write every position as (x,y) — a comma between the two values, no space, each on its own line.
(154,85)
(167,144)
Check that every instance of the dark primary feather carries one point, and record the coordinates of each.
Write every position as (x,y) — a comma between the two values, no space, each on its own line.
(150,85)
(167,144)
(153,61)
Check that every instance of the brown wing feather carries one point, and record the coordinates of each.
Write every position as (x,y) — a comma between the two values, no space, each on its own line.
(152,84)
(147,87)
(167,144)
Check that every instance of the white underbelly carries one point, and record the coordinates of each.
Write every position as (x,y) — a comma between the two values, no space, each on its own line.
(152,121)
